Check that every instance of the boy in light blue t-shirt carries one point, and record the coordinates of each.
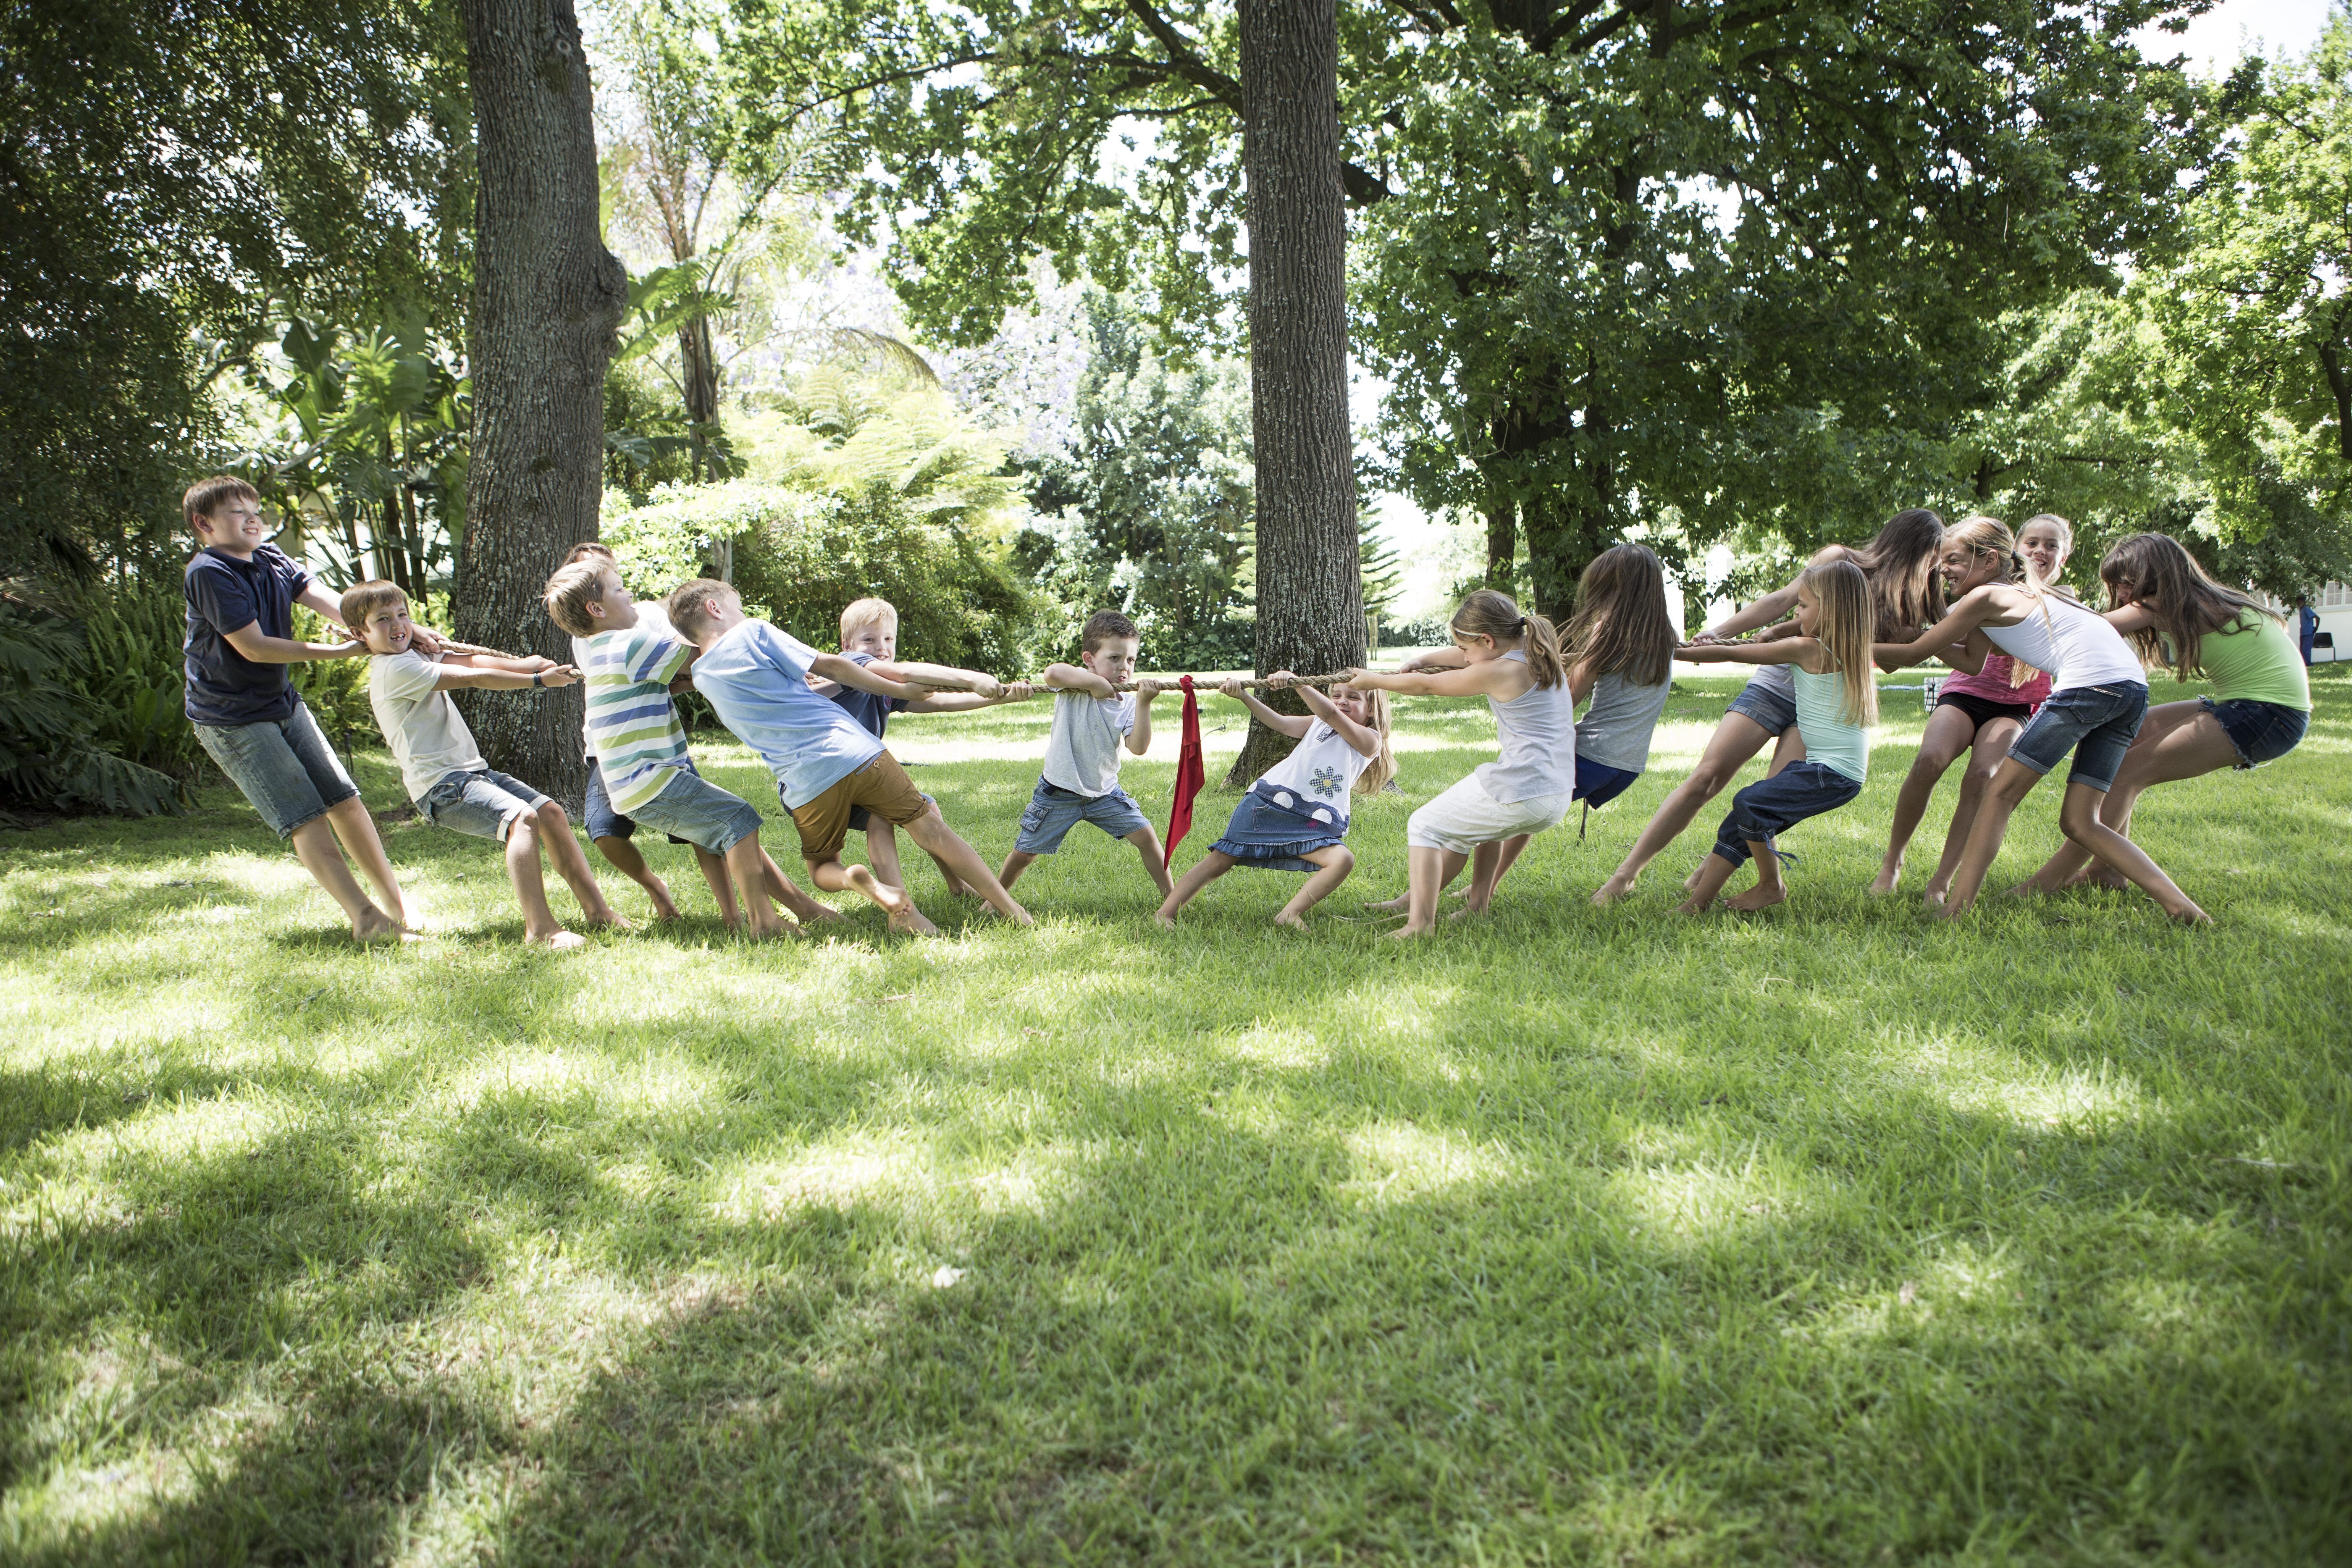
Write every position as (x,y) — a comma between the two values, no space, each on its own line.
(825,763)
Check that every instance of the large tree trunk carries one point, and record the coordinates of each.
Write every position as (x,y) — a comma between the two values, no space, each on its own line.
(547,297)
(1311,611)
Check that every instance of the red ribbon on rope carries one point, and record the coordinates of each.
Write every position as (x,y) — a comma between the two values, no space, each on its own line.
(1192,773)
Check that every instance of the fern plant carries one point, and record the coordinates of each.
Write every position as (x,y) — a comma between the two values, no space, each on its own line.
(49,756)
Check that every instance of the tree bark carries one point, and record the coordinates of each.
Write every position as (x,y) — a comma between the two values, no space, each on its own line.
(1310,612)
(548,299)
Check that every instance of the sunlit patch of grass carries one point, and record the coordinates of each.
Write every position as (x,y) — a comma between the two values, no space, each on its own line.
(1831,1236)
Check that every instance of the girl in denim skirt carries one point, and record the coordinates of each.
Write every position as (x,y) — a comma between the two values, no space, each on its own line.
(2098,695)
(1294,817)
(2175,615)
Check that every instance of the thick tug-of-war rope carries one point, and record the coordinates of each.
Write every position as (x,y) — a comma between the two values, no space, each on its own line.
(1171,683)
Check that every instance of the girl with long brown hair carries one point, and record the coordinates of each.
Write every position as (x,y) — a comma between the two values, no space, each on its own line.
(1899,565)
(2175,614)
(1513,660)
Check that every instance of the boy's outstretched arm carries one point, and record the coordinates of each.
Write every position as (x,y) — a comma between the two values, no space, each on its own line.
(844,671)
(940,676)
(259,647)
(970,701)
(449,675)
(1076,678)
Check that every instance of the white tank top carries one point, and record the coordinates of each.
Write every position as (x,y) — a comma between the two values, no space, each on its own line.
(1538,729)
(2077,648)
(1315,779)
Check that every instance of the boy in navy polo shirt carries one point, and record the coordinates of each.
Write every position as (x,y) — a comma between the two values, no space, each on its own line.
(241,593)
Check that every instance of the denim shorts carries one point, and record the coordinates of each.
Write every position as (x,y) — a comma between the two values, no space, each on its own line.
(484,805)
(2261,731)
(1598,784)
(284,766)
(1768,704)
(1053,811)
(1773,806)
(2097,723)
(604,822)
(693,810)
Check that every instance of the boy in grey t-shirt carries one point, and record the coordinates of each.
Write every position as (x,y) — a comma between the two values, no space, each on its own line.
(1080,781)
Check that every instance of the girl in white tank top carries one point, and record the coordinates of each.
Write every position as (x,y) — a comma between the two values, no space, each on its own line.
(2097,692)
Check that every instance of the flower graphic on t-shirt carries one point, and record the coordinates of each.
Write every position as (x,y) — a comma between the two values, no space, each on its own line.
(1326,781)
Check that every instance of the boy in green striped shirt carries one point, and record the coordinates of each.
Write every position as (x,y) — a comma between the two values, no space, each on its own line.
(641,747)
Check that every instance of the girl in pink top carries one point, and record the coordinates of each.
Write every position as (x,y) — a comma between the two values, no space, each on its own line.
(1979,712)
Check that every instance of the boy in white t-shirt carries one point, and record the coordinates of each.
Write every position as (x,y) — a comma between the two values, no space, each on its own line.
(1080,782)
(444,769)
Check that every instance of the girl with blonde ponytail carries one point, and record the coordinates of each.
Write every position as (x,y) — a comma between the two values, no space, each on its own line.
(1836,703)
(2099,696)
(1513,660)
(1979,711)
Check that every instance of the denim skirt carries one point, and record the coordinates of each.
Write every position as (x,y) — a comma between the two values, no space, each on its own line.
(1263,836)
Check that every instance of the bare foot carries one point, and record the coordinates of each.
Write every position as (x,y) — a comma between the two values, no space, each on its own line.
(1610,891)
(1692,906)
(2025,889)
(2105,877)
(1757,898)
(1886,881)
(1409,929)
(1690,883)
(1935,894)
(610,921)
(766,931)
(1470,912)
(1166,922)
(1396,906)
(1296,922)
(960,888)
(375,926)
(2191,916)
(557,941)
(908,921)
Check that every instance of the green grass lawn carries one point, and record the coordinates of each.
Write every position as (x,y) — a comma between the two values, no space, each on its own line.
(1828,1236)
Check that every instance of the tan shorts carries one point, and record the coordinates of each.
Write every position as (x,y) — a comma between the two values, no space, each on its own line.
(881,787)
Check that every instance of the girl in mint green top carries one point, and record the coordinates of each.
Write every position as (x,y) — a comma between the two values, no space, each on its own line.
(2177,615)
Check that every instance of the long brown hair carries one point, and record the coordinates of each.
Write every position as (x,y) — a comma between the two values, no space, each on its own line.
(1487,613)
(1900,566)
(1982,535)
(2154,571)
(1621,626)
(1849,616)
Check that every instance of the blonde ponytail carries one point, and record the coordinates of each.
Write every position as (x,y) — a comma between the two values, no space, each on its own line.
(1487,613)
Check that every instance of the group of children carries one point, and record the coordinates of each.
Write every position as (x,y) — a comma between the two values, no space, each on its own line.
(2042,675)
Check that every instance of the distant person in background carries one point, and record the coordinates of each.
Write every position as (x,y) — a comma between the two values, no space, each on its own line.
(2306,625)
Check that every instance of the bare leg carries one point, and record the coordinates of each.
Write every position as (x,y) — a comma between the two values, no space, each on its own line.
(1427,872)
(1992,744)
(1769,888)
(356,829)
(1020,860)
(2179,740)
(623,856)
(752,868)
(314,846)
(1735,739)
(1335,863)
(540,926)
(1948,733)
(1155,859)
(787,892)
(2079,815)
(942,843)
(2010,786)
(1206,870)
(882,851)
(563,849)
(722,888)
(1713,873)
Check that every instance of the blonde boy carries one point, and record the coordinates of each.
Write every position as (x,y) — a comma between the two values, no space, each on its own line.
(444,769)
(869,639)
(825,763)
(1080,779)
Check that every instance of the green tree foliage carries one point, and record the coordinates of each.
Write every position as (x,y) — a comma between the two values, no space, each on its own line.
(1150,511)
(168,173)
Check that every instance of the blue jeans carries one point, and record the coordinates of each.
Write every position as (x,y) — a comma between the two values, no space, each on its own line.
(2260,732)
(1053,811)
(484,805)
(1778,804)
(284,767)
(2097,723)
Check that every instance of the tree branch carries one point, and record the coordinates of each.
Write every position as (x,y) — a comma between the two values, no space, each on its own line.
(1180,56)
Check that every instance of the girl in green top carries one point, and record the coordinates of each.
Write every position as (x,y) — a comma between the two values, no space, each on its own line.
(2175,614)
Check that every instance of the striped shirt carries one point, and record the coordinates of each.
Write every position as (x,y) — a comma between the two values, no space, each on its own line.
(632,724)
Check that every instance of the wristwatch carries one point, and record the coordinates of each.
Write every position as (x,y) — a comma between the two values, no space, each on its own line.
(539,677)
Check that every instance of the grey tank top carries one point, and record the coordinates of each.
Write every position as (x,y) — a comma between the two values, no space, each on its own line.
(1618,721)
(1537,730)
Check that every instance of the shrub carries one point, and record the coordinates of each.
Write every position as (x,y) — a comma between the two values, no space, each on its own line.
(131,671)
(48,753)
(800,557)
